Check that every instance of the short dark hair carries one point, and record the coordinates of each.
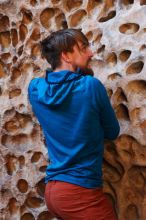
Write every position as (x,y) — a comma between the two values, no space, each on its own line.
(61,41)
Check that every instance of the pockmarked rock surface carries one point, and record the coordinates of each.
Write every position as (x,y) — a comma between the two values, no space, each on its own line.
(117,30)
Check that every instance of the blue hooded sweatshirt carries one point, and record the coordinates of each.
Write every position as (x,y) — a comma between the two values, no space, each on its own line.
(76,116)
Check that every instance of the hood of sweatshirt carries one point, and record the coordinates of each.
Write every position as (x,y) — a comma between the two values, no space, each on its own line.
(55,87)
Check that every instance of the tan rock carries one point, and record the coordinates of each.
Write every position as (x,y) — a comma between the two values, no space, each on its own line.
(118,32)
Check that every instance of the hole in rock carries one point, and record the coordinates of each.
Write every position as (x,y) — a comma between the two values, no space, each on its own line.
(142,2)
(134,114)
(64,24)
(27,216)
(77,17)
(21,107)
(137,86)
(9,112)
(15,74)
(127,2)
(22,209)
(111,59)
(45,16)
(6,57)
(19,121)
(124,55)
(15,59)
(23,119)
(61,21)
(143,47)
(110,172)
(13,206)
(45,216)
(34,202)
(27,16)
(11,126)
(89,35)
(122,112)
(4,23)
(135,67)
(110,15)
(33,2)
(109,92)
(21,161)
(42,168)
(126,155)
(110,147)
(125,144)
(114,76)
(98,38)
(92,4)
(101,49)
(131,212)
(70,4)
(2,70)
(120,168)
(34,134)
(108,4)
(13,24)
(35,34)
(119,96)
(112,201)
(143,126)
(17,141)
(36,68)
(25,67)
(20,50)
(11,162)
(143,170)
(20,138)
(8,68)
(14,37)
(23,32)
(129,28)
(139,181)
(5,39)
(36,156)
(36,50)
(22,185)
(4,139)
(41,187)
(5,192)
(55,1)
(14,93)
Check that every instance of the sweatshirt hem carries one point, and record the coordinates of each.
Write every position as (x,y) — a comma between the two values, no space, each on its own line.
(86,183)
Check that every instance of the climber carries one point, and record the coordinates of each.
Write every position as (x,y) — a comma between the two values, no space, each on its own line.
(74,111)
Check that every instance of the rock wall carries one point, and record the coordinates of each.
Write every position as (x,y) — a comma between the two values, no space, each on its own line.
(117,30)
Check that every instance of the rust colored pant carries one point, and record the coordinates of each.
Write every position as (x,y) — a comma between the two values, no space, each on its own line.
(67,201)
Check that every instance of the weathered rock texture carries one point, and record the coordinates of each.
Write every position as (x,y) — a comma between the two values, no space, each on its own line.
(117,29)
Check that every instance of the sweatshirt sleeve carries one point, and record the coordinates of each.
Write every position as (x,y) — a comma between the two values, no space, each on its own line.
(107,115)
